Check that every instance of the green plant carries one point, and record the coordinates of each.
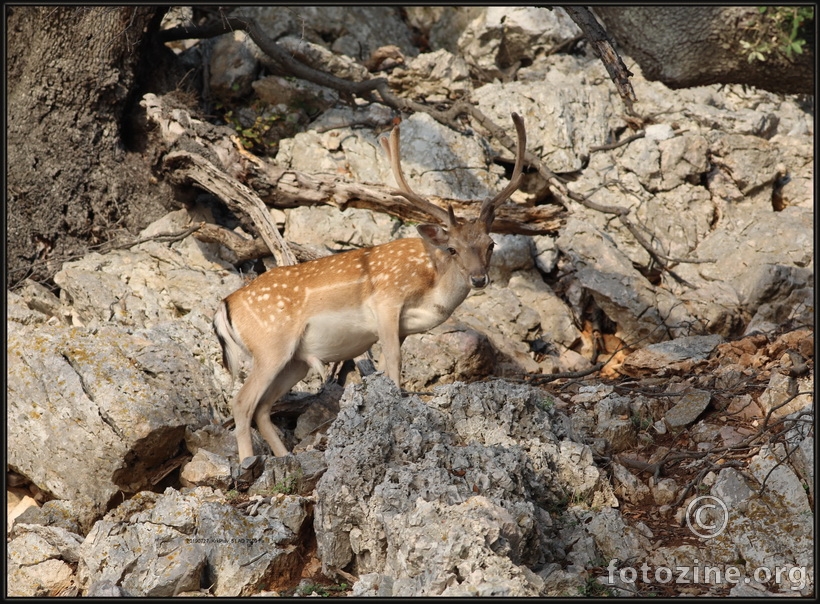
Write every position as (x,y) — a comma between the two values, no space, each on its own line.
(323,591)
(580,499)
(287,486)
(593,589)
(545,403)
(255,137)
(640,423)
(780,30)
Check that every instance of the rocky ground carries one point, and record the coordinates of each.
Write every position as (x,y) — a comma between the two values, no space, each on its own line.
(513,464)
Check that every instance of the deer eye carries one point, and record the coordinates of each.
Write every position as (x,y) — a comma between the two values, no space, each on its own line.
(491,246)
(452,251)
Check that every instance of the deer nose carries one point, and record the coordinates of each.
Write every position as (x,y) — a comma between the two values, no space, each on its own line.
(479,282)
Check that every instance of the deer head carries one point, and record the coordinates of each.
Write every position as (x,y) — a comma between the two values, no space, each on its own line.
(468,241)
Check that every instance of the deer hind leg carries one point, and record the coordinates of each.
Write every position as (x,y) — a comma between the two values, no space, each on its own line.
(244,405)
(294,371)
(264,374)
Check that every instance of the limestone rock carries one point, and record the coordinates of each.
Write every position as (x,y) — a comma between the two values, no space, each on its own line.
(688,408)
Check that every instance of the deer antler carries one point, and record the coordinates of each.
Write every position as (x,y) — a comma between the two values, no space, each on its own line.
(490,205)
(391,149)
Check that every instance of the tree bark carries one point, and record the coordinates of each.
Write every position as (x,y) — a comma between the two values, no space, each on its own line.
(685,46)
(72,76)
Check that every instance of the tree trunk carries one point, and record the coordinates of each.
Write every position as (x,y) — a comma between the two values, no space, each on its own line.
(684,46)
(72,76)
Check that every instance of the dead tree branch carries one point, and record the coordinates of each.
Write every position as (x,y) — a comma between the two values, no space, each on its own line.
(605,50)
(298,188)
(288,64)
(187,168)
(245,249)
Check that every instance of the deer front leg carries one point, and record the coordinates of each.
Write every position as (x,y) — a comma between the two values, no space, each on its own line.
(390,361)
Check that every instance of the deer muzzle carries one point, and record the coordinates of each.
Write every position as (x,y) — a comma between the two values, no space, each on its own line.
(480,281)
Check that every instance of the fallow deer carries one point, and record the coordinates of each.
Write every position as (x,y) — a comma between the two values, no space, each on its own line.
(293,318)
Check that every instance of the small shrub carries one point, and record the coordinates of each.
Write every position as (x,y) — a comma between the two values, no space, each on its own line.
(781,30)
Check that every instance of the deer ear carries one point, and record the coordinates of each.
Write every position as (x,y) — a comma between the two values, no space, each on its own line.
(434,233)
(487,216)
